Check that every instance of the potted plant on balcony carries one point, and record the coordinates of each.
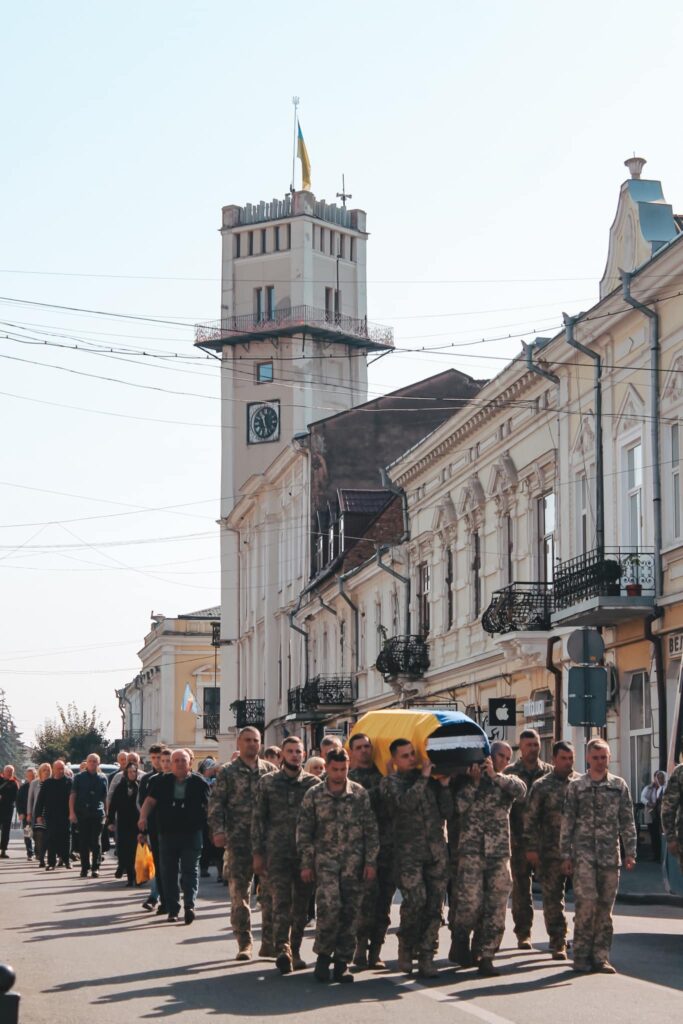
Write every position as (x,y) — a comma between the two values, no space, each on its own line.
(610,573)
(631,570)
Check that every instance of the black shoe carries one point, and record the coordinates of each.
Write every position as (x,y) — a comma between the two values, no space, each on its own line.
(341,972)
(41,863)
(284,963)
(149,904)
(161,909)
(4,855)
(487,969)
(51,867)
(322,968)
(94,873)
(118,873)
(67,864)
(189,915)
(84,872)
(172,917)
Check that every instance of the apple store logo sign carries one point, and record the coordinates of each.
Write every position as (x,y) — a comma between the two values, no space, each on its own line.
(502,711)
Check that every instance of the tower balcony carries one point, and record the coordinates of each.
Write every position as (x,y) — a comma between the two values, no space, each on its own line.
(519,607)
(211,724)
(604,587)
(320,323)
(250,711)
(403,656)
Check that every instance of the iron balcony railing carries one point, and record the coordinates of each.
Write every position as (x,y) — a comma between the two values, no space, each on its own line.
(250,711)
(133,740)
(212,721)
(292,317)
(519,606)
(403,655)
(322,691)
(606,572)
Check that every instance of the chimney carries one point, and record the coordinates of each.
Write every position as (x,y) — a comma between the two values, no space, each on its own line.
(635,165)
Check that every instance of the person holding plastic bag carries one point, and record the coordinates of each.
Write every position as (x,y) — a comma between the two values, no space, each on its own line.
(122,816)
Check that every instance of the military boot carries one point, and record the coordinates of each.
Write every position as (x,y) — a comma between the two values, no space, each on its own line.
(341,972)
(297,963)
(560,953)
(244,947)
(322,967)
(360,957)
(405,957)
(487,969)
(284,963)
(426,967)
(267,950)
(460,952)
(374,956)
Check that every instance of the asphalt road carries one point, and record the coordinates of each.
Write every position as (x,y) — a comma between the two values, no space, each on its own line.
(86,953)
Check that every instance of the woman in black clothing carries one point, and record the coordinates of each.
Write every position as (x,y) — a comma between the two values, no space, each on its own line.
(123,815)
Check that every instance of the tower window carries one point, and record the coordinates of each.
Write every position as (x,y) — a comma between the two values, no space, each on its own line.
(264,241)
(276,229)
(329,303)
(237,239)
(342,246)
(251,243)
(352,254)
(289,236)
(322,239)
(332,235)
(258,304)
(264,373)
(270,302)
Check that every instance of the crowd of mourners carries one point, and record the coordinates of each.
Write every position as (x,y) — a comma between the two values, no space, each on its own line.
(334,838)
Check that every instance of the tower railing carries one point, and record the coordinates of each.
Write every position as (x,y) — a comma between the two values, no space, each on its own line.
(290,318)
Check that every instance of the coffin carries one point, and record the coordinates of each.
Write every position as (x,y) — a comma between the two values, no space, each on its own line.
(451,740)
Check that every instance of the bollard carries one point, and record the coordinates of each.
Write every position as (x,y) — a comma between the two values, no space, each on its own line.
(9,1001)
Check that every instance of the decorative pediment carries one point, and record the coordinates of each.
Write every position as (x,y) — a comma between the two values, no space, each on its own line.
(503,482)
(584,441)
(631,411)
(445,517)
(673,382)
(472,501)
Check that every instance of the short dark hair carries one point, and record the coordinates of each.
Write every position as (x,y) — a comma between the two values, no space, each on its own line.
(272,752)
(529,734)
(166,752)
(336,755)
(156,748)
(291,739)
(358,736)
(563,745)
(395,744)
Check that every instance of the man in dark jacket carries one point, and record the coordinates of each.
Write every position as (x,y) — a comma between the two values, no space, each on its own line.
(86,809)
(52,809)
(9,788)
(180,800)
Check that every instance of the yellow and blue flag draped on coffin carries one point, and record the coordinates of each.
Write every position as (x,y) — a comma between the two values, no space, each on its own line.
(302,153)
(458,737)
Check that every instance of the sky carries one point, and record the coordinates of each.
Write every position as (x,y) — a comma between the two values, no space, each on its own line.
(486,143)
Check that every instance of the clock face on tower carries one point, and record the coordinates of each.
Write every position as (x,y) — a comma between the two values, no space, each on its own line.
(263,422)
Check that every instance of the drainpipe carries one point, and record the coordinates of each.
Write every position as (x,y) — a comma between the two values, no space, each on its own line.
(557,672)
(327,607)
(121,697)
(403,579)
(654,639)
(356,620)
(569,322)
(538,370)
(301,632)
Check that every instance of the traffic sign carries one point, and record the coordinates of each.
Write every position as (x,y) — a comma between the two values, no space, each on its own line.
(585,646)
(587,696)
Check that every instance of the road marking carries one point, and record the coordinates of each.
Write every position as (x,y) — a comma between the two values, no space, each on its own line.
(464,1005)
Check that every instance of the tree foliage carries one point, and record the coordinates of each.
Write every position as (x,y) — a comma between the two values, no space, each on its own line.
(72,735)
(12,749)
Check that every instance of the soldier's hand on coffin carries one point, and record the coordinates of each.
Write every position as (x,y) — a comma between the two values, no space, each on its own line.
(533,858)
(426,768)
(629,863)
(488,768)
(567,867)
(308,876)
(259,865)
(474,772)
(369,873)
(218,839)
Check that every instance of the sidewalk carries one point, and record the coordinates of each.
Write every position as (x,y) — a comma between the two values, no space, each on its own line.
(645,884)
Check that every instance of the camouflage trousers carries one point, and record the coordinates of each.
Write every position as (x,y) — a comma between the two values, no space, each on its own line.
(338,897)
(423,889)
(452,886)
(553,883)
(522,899)
(239,874)
(290,897)
(595,890)
(374,915)
(483,887)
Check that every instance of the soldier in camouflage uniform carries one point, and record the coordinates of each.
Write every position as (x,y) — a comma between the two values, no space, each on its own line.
(528,767)
(418,806)
(338,842)
(597,813)
(484,881)
(375,910)
(230,809)
(278,801)
(672,814)
(542,841)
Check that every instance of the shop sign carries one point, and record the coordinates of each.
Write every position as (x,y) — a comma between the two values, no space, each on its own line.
(534,708)
(675,645)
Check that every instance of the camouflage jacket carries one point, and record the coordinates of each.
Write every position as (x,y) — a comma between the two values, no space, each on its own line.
(276,812)
(370,779)
(232,799)
(337,832)
(518,812)
(483,815)
(417,807)
(672,808)
(543,820)
(595,815)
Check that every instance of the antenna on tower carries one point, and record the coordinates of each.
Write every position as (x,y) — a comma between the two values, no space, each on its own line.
(295,101)
(344,195)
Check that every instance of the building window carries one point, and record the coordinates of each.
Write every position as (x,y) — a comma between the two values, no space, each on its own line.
(264,373)
(237,245)
(475,570)
(270,302)
(329,303)
(251,243)
(352,249)
(342,246)
(507,548)
(332,237)
(675,482)
(264,241)
(258,304)
(449,588)
(322,239)
(582,514)
(342,540)
(395,630)
(276,231)
(423,585)
(640,732)
(546,537)
(320,553)
(331,546)
(634,497)
(289,236)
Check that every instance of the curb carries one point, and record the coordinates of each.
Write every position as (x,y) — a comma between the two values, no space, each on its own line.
(657,899)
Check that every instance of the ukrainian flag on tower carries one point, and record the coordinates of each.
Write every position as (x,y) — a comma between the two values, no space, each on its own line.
(302,153)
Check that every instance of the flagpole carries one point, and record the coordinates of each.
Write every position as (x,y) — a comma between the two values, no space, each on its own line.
(295,101)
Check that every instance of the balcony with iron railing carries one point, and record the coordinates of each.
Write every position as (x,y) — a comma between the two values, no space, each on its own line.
(211,724)
(403,656)
(604,587)
(293,320)
(519,607)
(322,692)
(250,711)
